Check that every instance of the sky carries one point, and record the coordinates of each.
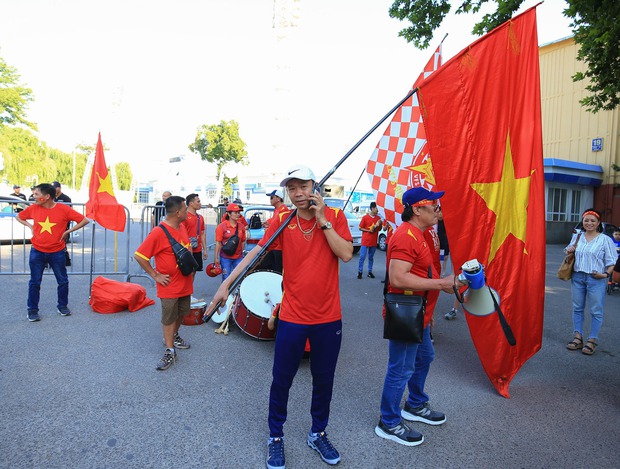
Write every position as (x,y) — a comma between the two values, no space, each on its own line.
(148,74)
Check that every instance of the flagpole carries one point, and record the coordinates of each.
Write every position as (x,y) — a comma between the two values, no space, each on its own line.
(273,237)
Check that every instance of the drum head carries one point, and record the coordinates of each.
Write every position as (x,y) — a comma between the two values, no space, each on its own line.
(258,287)
(220,315)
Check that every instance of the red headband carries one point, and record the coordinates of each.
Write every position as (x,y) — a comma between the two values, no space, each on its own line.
(590,212)
(424,202)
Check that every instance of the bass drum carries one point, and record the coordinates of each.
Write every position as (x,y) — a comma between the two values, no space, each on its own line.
(196,312)
(259,293)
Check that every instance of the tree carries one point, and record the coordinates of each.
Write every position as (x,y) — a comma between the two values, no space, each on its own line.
(124,176)
(220,144)
(595,26)
(14,98)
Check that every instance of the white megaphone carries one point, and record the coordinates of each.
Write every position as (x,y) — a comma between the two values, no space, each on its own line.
(479,299)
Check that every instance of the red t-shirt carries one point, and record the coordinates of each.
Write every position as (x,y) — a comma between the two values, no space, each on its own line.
(49,225)
(157,245)
(275,246)
(190,225)
(311,293)
(369,222)
(224,231)
(408,244)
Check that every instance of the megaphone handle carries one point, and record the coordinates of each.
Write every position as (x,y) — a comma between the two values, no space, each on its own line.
(502,320)
(459,297)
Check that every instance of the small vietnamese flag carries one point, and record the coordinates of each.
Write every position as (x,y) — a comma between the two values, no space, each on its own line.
(102,205)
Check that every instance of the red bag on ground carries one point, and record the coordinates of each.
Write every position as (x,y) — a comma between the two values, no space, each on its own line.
(109,296)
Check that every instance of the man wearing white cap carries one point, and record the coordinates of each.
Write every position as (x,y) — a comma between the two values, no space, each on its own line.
(312,244)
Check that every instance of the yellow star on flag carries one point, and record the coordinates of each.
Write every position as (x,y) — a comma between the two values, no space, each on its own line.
(508,199)
(47,225)
(425,168)
(105,185)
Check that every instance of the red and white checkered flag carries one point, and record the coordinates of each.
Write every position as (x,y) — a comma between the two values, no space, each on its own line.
(400,160)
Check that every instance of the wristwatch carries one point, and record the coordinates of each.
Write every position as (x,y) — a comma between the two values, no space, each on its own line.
(327,226)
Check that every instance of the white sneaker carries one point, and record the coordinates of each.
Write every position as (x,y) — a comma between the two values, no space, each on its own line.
(450,314)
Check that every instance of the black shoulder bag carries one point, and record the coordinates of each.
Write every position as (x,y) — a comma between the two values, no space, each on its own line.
(404,314)
(185,259)
(231,245)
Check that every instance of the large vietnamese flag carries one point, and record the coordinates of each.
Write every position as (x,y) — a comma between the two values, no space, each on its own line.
(483,124)
(102,205)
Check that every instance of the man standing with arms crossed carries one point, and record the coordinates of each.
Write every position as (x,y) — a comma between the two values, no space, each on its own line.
(49,235)
(312,245)
(173,288)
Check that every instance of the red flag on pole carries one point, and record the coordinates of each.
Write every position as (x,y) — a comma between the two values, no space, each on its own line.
(483,124)
(102,205)
(400,160)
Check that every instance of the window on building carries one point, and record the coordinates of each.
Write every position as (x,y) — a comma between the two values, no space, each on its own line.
(564,204)
(143,197)
(211,194)
(575,212)
(556,204)
(248,194)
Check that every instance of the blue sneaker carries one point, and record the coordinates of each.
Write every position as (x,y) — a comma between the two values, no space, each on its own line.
(422,414)
(320,443)
(64,311)
(33,315)
(275,453)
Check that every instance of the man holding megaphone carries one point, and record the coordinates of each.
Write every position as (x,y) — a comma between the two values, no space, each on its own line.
(411,271)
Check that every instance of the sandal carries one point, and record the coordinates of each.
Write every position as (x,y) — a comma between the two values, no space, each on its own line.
(590,347)
(576,343)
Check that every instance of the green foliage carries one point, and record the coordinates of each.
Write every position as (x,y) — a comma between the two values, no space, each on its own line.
(227,190)
(124,176)
(14,98)
(28,161)
(596,25)
(220,144)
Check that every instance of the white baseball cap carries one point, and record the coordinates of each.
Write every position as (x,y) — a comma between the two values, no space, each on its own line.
(276,192)
(298,172)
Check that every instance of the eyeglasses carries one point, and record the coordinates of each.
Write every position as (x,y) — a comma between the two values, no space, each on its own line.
(435,207)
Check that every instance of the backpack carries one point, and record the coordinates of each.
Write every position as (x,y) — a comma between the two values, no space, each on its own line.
(231,245)
(255,222)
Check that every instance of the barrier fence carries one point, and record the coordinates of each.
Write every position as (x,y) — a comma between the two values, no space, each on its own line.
(94,250)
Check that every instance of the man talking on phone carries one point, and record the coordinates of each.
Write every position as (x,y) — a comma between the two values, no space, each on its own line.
(312,244)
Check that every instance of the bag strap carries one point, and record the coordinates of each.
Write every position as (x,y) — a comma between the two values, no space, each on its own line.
(577,240)
(170,238)
(198,226)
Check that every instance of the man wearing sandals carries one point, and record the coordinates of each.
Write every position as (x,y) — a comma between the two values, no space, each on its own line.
(595,256)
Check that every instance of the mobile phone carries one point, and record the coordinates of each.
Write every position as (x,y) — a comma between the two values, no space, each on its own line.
(315,190)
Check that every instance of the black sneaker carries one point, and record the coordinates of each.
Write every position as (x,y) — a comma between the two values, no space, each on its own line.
(401,434)
(320,443)
(423,414)
(167,360)
(275,453)
(64,311)
(180,343)
(33,316)
(371,275)
(359,276)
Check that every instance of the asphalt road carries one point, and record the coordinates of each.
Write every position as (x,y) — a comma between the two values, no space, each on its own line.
(82,391)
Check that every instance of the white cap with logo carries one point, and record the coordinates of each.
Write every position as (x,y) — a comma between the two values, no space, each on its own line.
(298,172)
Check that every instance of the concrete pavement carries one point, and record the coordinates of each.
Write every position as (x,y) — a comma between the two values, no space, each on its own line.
(82,391)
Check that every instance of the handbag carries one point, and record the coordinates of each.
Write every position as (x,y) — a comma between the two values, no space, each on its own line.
(231,245)
(565,272)
(185,259)
(194,240)
(404,315)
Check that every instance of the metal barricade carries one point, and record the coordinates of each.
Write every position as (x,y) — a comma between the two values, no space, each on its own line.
(150,216)
(93,250)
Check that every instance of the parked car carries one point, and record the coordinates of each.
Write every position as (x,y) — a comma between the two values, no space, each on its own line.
(608,229)
(11,231)
(353,221)
(256,215)
(382,239)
